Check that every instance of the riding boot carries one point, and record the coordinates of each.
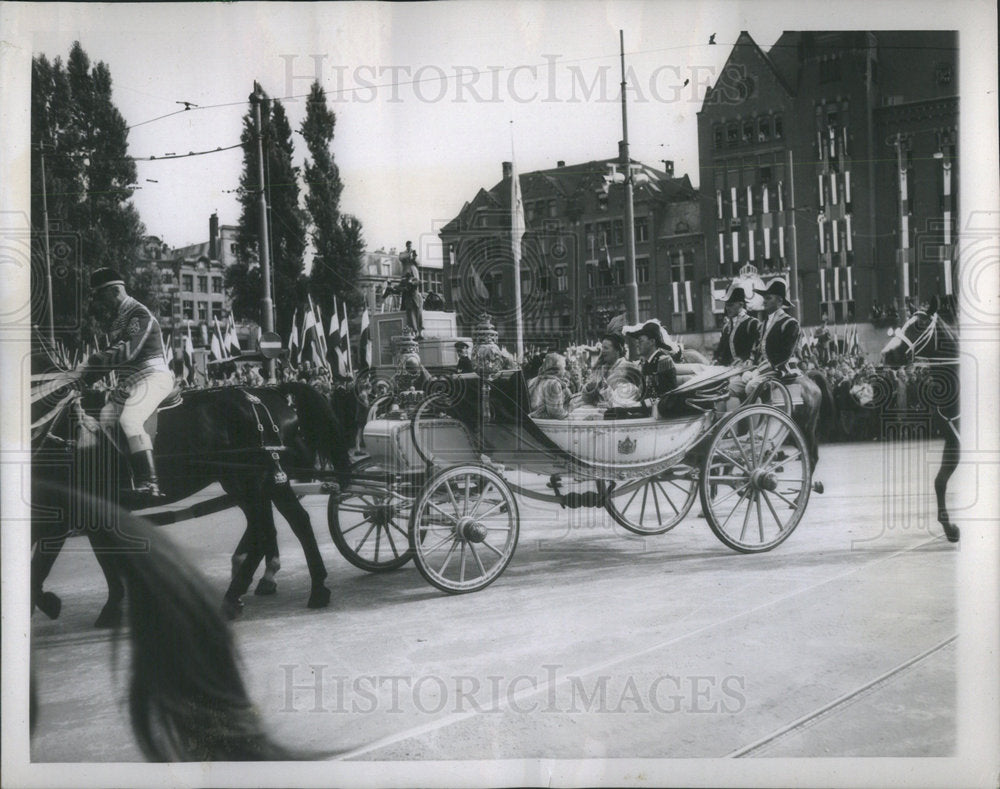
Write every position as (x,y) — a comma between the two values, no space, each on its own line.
(146,482)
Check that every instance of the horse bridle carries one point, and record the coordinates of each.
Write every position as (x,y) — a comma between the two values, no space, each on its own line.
(914,347)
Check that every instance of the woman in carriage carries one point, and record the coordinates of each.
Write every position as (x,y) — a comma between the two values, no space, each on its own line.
(614,381)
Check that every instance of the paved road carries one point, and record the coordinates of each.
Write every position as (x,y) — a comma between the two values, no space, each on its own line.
(594,643)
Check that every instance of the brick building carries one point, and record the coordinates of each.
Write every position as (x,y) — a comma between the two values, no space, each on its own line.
(573,252)
(830,160)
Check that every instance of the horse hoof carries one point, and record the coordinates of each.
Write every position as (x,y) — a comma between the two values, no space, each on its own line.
(951,531)
(265,587)
(320,598)
(109,617)
(232,609)
(817,487)
(49,604)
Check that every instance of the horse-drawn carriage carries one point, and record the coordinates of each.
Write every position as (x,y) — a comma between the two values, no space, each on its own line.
(435,489)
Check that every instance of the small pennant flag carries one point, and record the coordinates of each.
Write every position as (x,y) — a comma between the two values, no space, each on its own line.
(365,342)
(232,341)
(345,343)
(478,286)
(333,337)
(217,348)
(188,357)
(294,347)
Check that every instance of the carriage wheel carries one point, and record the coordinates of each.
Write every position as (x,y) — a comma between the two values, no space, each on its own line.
(464,528)
(656,504)
(369,522)
(775,394)
(756,479)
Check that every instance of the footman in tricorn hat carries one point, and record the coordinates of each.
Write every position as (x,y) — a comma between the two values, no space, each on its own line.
(464,362)
(135,351)
(740,331)
(775,353)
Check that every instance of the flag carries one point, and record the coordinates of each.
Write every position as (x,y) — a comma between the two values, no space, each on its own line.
(217,348)
(188,355)
(168,346)
(293,341)
(345,342)
(232,341)
(318,337)
(310,345)
(478,286)
(365,342)
(333,337)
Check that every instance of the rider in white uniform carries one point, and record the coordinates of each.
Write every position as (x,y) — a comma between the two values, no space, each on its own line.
(144,380)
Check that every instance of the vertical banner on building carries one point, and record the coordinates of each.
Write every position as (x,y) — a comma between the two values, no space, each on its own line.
(722,248)
(835,235)
(822,286)
(718,203)
(833,189)
(821,229)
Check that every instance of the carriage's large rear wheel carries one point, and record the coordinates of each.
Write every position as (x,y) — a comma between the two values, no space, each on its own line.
(369,521)
(464,528)
(656,504)
(756,479)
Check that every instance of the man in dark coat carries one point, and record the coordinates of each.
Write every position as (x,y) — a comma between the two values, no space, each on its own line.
(659,374)
(740,332)
(464,362)
(775,354)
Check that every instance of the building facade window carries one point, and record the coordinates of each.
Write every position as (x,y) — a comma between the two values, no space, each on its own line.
(732,135)
(202,311)
(763,129)
(618,232)
(646,309)
(187,282)
(641,271)
(188,310)
(216,284)
(202,284)
(717,138)
(217,310)
(779,128)
(642,229)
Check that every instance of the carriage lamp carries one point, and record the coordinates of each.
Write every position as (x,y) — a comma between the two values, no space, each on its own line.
(487,360)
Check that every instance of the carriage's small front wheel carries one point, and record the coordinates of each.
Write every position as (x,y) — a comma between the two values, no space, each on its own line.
(656,504)
(756,479)
(464,528)
(368,522)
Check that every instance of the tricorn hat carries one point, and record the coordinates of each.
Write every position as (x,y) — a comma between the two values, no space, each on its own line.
(656,331)
(461,346)
(103,277)
(776,288)
(736,294)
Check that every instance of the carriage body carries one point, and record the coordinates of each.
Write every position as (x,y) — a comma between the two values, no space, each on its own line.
(435,471)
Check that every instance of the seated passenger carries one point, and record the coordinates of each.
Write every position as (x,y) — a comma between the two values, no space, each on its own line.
(614,382)
(549,391)
(659,375)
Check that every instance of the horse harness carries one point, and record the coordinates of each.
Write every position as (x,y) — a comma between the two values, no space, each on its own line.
(258,408)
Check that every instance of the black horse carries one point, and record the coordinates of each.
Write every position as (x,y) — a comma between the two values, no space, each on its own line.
(927,339)
(251,441)
(187,699)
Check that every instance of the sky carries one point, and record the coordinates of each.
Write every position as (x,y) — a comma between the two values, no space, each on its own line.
(430,98)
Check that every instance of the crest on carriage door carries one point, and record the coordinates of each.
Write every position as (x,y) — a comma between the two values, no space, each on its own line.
(626,446)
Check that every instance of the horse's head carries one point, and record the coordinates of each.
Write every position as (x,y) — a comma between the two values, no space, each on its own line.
(925,335)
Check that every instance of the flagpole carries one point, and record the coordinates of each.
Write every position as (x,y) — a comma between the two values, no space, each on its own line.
(517,229)
(631,288)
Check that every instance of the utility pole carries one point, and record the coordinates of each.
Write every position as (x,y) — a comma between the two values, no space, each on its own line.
(48,257)
(794,273)
(631,288)
(266,305)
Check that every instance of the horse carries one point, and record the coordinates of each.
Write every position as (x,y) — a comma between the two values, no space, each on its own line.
(187,698)
(927,339)
(251,441)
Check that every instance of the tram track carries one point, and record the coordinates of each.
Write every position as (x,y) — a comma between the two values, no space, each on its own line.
(830,709)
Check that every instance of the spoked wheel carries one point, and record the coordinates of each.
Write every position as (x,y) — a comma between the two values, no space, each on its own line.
(775,394)
(369,521)
(756,480)
(464,528)
(656,504)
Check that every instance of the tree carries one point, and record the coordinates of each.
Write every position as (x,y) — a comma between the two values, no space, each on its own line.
(337,239)
(287,221)
(88,187)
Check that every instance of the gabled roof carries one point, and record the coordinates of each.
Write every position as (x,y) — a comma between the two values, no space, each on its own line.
(744,41)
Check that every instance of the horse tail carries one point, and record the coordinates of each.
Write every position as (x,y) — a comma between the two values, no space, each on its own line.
(187,699)
(322,428)
(828,404)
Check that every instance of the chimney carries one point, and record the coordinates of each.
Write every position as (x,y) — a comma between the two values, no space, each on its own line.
(213,236)
(621,149)
(560,163)
(508,170)
(668,167)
